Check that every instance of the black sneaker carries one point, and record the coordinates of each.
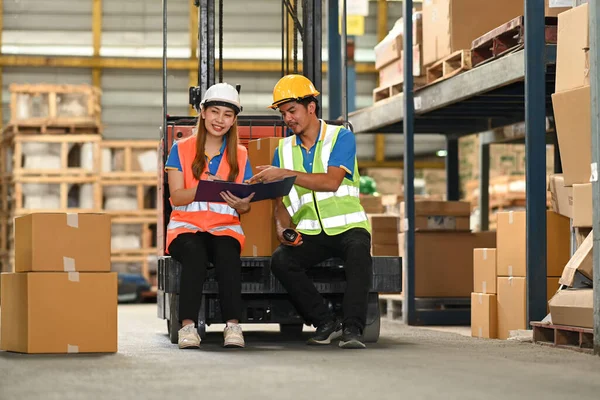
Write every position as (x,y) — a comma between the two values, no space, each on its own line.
(351,338)
(327,332)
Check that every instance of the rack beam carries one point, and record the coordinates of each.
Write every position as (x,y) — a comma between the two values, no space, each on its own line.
(7,60)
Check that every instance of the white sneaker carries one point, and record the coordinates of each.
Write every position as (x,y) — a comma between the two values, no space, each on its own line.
(233,336)
(188,337)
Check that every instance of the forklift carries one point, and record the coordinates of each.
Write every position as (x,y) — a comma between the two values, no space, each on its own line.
(264,298)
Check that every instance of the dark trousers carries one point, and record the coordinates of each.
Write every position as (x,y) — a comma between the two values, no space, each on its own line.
(289,265)
(194,251)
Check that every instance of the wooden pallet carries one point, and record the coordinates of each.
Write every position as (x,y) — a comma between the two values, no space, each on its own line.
(128,159)
(51,128)
(507,38)
(566,337)
(65,189)
(145,195)
(68,150)
(384,92)
(6,233)
(449,66)
(142,227)
(47,104)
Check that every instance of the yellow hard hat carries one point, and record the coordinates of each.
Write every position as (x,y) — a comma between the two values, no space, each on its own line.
(292,87)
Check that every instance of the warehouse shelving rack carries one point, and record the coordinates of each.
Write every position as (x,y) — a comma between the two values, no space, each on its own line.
(499,93)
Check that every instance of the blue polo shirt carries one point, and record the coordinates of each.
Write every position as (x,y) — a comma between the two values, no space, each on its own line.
(342,155)
(173,161)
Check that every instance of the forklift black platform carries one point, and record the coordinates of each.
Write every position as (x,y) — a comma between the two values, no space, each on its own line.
(264,298)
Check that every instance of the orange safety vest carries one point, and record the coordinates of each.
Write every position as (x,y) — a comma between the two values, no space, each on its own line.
(216,218)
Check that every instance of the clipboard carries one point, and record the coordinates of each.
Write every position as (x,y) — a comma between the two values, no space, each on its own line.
(210,190)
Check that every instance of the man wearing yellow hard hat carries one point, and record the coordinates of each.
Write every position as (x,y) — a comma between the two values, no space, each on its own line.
(324,206)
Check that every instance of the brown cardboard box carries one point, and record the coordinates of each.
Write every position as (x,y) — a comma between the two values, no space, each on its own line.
(391,47)
(440,215)
(48,242)
(573,307)
(388,180)
(511,255)
(561,196)
(582,205)
(484,271)
(385,250)
(581,261)
(554,11)
(552,286)
(451,25)
(511,251)
(388,50)
(372,204)
(484,315)
(572,114)
(59,312)
(444,261)
(573,39)
(259,224)
(393,73)
(511,305)
(384,230)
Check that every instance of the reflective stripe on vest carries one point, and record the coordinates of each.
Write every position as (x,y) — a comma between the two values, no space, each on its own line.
(185,225)
(334,222)
(204,206)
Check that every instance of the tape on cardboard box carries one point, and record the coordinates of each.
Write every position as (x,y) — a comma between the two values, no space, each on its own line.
(74,276)
(72,349)
(69,264)
(73,220)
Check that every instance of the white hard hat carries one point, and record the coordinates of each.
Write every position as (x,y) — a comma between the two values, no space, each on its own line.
(222,94)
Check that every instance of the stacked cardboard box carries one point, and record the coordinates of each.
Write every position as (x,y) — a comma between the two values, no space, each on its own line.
(384,234)
(511,265)
(389,54)
(444,248)
(484,299)
(571,191)
(62,297)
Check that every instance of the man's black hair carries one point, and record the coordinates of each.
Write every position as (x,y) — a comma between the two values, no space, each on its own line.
(307,100)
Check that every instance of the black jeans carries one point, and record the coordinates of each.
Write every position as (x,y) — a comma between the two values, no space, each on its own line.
(194,251)
(289,265)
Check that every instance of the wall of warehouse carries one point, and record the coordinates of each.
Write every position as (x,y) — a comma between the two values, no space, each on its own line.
(132,99)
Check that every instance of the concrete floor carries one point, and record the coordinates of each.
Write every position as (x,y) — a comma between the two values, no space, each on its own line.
(409,363)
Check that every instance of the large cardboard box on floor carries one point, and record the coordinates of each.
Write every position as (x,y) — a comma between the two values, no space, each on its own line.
(484,315)
(572,114)
(561,196)
(259,225)
(451,25)
(582,261)
(512,295)
(572,59)
(484,271)
(573,307)
(582,205)
(512,245)
(444,261)
(46,242)
(440,215)
(59,312)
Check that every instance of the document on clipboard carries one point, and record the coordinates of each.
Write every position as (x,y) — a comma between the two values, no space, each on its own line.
(210,190)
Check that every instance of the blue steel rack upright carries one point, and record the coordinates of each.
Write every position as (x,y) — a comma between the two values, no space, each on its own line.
(502,92)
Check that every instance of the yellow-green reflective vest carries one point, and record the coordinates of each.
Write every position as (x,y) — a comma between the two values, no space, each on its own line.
(336,212)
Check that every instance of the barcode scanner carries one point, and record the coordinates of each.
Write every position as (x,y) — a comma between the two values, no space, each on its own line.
(292,236)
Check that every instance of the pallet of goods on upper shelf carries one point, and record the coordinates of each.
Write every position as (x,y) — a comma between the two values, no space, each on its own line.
(53,108)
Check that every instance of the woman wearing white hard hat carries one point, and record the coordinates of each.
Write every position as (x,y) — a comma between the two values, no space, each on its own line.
(200,232)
